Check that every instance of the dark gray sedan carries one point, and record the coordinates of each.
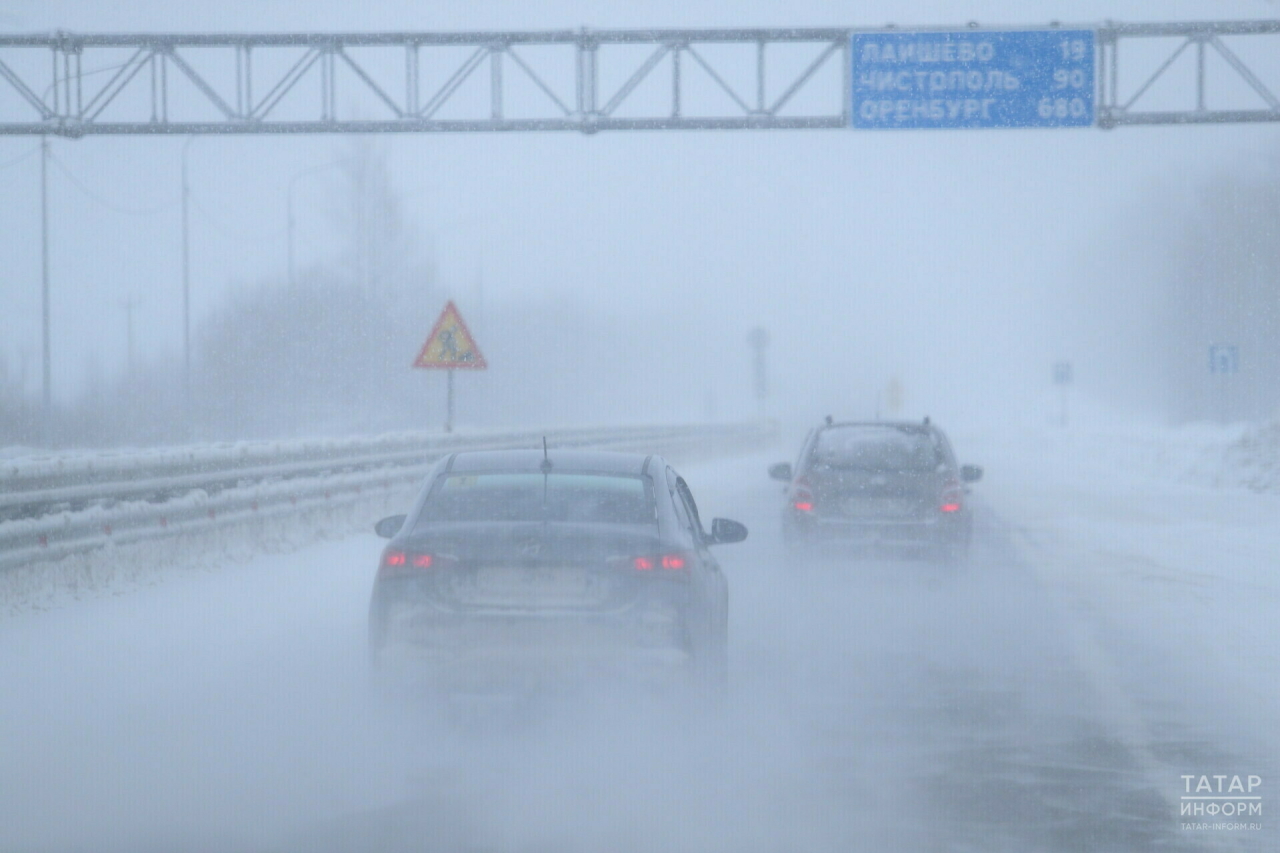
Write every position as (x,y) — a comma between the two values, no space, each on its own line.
(518,566)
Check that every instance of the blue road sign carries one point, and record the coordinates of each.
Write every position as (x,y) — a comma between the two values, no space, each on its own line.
(973,79)
(1224,359)
(1062,373)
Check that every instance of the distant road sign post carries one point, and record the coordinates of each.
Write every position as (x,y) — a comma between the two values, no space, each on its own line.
(1063,376)
(1224,362)
(1224,359)
(973,79)
(450,347)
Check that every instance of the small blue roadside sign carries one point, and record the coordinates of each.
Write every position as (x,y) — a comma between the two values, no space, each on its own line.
(1062,374)
(1224,359)
(973,79)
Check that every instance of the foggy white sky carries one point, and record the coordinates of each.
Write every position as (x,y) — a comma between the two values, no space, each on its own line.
(893,253)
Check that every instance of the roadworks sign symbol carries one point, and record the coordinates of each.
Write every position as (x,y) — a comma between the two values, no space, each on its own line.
(450,346)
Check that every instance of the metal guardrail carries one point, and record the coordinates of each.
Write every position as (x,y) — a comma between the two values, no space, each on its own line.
(56,506)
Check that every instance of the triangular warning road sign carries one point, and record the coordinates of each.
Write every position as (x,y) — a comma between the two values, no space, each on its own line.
(450,346)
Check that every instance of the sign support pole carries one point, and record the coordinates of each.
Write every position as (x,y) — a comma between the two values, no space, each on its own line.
(448,423)
(1062,376)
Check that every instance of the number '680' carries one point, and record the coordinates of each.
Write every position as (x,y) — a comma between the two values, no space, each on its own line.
(1061,107)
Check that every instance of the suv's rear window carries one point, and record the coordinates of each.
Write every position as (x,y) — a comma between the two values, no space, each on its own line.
(529,496)
(877,448)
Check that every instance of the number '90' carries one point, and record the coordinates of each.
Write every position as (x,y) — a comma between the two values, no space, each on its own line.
(1064,77)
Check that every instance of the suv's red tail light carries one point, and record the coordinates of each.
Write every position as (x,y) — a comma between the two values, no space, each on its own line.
(802,495)
(396,562)
(952,498)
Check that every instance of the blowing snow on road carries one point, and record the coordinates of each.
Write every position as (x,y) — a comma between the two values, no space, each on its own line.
(1042,697)
(577,426)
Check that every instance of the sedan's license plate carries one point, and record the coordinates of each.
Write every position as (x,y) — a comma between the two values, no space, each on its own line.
(532,587)
(876,507)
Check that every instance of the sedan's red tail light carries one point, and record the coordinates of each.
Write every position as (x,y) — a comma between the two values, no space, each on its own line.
(669,562)
(396,562)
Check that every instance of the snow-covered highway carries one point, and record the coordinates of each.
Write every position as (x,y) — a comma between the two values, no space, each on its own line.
(1112,633)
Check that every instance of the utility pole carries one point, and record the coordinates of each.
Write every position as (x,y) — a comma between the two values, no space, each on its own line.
(47,386)
(128,305)
(186,278)
(758,340)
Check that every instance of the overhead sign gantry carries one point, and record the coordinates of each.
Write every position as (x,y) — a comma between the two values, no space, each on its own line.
(74,84)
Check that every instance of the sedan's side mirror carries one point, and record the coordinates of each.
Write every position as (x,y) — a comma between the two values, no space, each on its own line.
(725,532)
(389,526)
(780,471)
(971,473)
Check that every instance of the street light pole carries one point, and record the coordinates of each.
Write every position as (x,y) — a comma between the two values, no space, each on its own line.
(44,275)
(186,276)
(46,387)
(293,281)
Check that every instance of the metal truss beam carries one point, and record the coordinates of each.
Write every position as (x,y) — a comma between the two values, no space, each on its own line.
(114,84)
(1198,42)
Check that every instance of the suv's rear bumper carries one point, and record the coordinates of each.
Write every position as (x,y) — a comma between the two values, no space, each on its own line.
(870,533)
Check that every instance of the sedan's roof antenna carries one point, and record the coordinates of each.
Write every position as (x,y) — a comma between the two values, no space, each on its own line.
(546,459)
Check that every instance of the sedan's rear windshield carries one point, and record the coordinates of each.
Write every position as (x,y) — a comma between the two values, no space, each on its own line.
(877,448)
(531,496)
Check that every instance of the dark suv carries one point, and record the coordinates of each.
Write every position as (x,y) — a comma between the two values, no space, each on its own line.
(882,485)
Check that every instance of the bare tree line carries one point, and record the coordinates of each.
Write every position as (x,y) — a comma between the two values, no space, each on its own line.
(332,354)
